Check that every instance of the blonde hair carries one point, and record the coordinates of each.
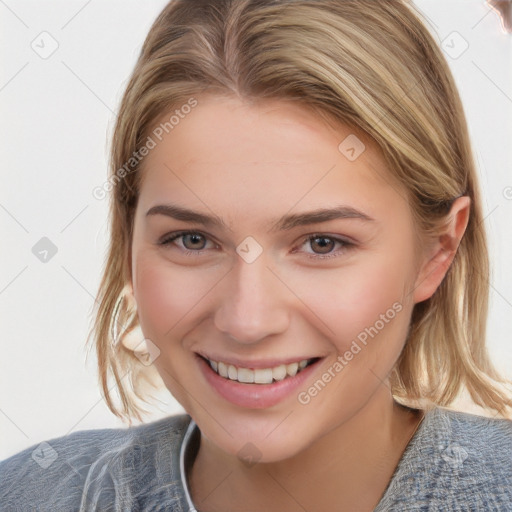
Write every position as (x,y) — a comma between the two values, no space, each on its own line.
(371,65)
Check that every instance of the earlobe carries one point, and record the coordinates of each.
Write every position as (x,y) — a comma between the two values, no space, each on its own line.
(441,254)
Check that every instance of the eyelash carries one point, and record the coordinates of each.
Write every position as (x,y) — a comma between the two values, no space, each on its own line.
(346,245)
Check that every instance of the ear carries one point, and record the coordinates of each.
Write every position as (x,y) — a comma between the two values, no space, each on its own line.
(439,256)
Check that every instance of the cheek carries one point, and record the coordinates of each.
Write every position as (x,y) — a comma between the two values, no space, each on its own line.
(165,294)
(362,301)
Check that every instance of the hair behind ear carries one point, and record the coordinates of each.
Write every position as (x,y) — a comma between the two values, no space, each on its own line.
(446,353)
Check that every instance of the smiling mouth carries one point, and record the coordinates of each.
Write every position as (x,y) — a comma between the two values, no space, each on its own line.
(259,375)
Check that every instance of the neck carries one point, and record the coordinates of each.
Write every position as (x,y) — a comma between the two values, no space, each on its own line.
(348,468)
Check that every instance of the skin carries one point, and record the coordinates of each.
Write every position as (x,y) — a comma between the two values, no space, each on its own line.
(250,165)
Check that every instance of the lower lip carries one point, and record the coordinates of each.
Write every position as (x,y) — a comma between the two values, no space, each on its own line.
(255,396)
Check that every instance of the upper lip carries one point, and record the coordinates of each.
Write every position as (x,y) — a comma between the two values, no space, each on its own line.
(259,363)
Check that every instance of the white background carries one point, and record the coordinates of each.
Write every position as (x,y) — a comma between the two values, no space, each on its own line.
(57,114)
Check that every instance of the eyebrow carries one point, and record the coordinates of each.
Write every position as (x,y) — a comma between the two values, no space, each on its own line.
(285,223)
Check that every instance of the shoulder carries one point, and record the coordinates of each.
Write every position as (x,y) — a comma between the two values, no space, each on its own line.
(455,461)
(93,467)
(468,442)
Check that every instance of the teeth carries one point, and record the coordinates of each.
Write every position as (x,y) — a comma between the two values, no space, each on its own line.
(232,372)
(279,372)
(263,376)
(291,369)
(260,375)
(223,369)
(245,375)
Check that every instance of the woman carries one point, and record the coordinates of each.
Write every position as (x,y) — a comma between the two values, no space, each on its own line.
(297,249)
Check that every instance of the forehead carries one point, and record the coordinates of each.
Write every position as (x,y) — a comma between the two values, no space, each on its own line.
(266,155)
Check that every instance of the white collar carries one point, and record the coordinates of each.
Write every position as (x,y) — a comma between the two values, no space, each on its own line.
(184,450)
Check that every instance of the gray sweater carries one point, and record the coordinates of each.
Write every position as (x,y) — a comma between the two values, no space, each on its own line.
(455,462)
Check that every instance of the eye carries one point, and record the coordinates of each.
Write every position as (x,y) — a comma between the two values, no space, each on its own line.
(323,246)
(195,243)
(191,241)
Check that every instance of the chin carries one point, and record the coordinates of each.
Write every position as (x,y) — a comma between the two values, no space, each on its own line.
(265,441)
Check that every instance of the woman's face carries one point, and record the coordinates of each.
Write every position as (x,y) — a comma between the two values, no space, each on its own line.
(261,282)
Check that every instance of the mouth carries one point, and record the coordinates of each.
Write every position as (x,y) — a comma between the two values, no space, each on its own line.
(268,375)
(257,388)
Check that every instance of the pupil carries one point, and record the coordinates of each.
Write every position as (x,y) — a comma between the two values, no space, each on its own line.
(323,245)
(194,239)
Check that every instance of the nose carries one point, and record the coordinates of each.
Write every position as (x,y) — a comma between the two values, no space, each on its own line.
(253,303)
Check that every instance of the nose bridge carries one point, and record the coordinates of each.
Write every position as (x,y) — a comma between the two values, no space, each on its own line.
(252,306)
